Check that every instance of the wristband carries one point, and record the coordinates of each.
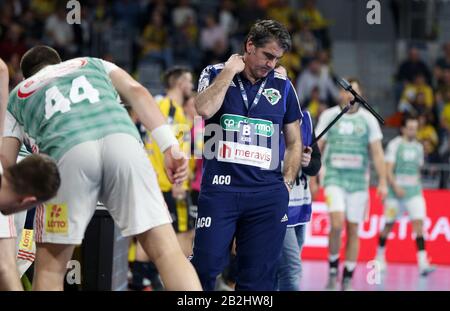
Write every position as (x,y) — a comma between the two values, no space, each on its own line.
(164,137)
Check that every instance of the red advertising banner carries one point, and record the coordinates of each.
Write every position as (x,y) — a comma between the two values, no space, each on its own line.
(401,246)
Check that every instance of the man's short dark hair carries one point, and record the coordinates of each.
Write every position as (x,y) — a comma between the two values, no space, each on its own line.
(172,75)
(408,118)
(37,58)
(265,31)
(36,175)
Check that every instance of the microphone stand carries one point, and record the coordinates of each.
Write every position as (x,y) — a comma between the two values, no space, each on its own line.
(343,111)
(368,107)
(357,98)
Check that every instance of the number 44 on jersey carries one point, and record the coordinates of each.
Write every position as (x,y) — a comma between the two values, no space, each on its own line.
(80,90)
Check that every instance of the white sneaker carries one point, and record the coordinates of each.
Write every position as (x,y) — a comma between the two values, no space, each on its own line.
(332,282)
(426,269)
(347,285)
(222,286)
(382,262)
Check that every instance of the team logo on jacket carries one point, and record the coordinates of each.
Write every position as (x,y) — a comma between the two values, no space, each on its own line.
(272,95)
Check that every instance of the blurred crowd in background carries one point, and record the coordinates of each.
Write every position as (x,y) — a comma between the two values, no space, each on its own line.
(203,32)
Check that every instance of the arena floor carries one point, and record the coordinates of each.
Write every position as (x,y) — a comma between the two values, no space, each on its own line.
(397,277)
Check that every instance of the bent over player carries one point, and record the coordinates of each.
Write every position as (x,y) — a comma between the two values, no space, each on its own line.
(70,111)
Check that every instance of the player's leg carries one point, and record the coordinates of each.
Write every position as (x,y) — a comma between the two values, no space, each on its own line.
(335,199)
(357,205)
(289,268)
(143,270)
(131,194)
(142,267)
(188,236)
(60,224)
(351,253)
(259,238)
(162,246)
(417,213)
(391,211)
(9,275)
(182,222)
(186,240)
(50,266)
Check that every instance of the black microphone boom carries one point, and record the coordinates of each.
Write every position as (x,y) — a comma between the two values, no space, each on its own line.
(357,98)
(348,87)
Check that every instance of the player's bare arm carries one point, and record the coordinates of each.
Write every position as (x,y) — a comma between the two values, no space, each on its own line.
(377,153)
(210,100)
(4,84)
(399,192)
(138,97)
(10,146)
(142,102)
(294,146)
(9,151)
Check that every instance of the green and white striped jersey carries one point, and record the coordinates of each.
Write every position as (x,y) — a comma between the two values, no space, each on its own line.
(67,104)
(23,152)
(346,156)
(407,158)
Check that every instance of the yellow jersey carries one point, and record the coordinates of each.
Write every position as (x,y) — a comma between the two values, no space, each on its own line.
(411,91)
(175,117)
(445,115)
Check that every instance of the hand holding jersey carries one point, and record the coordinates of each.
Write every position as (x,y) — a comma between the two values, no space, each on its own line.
(235,63)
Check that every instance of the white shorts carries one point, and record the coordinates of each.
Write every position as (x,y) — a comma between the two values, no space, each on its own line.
(114,170)
(415,207)
(11,226)
(354,205)
(7,227)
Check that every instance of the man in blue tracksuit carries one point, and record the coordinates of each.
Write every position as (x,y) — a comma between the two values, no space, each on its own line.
(244,194)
